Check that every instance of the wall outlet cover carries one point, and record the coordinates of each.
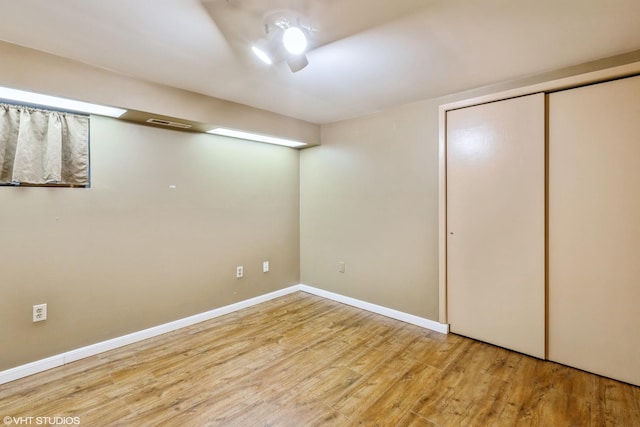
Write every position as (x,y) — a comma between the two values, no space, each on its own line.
(39,312)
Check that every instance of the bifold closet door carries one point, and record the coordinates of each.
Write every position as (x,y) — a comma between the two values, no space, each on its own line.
(496,223)
(594,228)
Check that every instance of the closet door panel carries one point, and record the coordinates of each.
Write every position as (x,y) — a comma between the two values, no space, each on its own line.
(495,223)
(594,228)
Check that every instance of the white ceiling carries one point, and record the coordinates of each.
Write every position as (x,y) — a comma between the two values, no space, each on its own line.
(374,54)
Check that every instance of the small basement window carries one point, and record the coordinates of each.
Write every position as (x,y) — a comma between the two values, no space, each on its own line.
(40,147)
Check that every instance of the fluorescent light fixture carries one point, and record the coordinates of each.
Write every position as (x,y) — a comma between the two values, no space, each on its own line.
(256,137)
(59,103)
(294,40)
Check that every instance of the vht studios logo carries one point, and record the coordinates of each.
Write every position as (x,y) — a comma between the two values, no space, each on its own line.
(41,420)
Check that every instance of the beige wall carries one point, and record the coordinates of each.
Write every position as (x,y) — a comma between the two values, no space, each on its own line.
(130,252)
(369,197)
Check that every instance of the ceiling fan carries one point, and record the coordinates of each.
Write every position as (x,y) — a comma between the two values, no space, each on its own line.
(285,31)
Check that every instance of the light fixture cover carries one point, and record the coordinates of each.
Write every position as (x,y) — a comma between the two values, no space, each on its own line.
(261,53)
(294,40)
(297,62)
(256,137)
(33,98)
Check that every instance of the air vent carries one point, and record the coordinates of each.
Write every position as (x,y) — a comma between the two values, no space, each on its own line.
(168,123)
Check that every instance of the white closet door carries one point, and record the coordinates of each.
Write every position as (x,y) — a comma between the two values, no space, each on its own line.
(496,223)
(594,228)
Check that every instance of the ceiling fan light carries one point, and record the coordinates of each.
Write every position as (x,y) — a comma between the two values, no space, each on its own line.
(294,40)
(262,54)
(297,62)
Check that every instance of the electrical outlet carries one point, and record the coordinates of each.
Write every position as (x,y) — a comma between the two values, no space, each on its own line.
(341,267)
(239,271)
(265,266)
(39,312)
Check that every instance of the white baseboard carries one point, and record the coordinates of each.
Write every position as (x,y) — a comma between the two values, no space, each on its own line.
(388,312)
(91,350)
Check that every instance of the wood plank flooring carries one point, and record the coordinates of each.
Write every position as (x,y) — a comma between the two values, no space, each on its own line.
(301,360)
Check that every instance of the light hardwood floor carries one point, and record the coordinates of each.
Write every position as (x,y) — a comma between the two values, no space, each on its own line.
(301,360)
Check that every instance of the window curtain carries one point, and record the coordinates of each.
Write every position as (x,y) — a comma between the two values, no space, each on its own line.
(43,147)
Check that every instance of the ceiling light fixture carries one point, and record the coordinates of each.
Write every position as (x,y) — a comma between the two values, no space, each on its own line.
(256,137)
(33,98)
(297,62)
(269,48)
(261,53)
(284,41)
(294,40)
